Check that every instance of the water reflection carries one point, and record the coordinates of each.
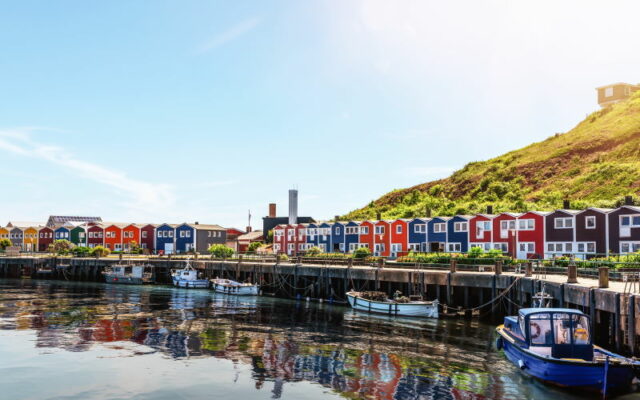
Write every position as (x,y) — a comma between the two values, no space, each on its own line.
(355,355)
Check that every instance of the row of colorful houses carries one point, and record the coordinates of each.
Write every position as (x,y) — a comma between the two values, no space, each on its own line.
(534,234)
(164,238)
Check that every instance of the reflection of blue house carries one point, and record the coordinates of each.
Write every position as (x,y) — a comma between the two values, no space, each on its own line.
(351,235)
(458,234)
(324,236)
(185,238)
(312,234)
(165,238)
(337,237)
(437,233)
(418,234)
(61,233)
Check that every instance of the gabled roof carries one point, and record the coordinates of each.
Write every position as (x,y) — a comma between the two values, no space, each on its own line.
(253,235)
(566,211)
(24,224)
(598,209)
(212,227)
(61,219)
(490,216)
(634,208)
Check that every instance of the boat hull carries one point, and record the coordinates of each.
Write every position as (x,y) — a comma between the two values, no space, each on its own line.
(577,374)
(416,309)
(236,290)
(124,280)
(191,284)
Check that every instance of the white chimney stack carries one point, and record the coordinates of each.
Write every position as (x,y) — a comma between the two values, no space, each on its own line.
(293,206)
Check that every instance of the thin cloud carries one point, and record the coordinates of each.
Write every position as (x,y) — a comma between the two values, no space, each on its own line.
(230,34)
(143,195)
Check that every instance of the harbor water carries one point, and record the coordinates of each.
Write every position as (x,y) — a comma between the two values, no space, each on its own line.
(71,340)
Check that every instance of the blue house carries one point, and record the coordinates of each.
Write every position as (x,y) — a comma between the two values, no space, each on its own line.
(351,235)
(185,238)
(437,234)
(337,237)
(324,237)
(458,234)
(165,236)
(418,234)
(62,233)
(312,234)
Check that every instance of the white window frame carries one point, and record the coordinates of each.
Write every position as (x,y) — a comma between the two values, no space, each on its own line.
(527,224)
(460,226)
(379,230)
(590,218)
(454,247)
(630,244)
(398,229)
(420,228)
(364,230)
(440,227)
(561,223)
(608,91)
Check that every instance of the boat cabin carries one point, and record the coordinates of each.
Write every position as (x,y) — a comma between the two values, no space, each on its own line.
(554,332)
(135,271)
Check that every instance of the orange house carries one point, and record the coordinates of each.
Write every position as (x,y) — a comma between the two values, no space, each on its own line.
(130,234)
(4,234)
(382,239)
(30,239)
(366,234)
(113,237)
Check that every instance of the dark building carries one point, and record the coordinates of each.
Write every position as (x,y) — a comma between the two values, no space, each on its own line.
(591,231)
(271,221)
(624,230)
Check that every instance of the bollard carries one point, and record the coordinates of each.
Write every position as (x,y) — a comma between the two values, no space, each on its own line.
(350,263)
(528,270)
(299,260)
(453,265)
(498,267)
(572,272)
(277,259)
(380,262)
(603,277)
(120,256)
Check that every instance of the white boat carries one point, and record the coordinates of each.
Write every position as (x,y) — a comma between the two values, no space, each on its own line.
(188,278)
(128,274)
(227,286)
(399,306)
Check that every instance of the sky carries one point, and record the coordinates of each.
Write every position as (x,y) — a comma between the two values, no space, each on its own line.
(184,111)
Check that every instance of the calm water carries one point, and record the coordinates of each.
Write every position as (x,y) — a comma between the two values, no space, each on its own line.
(63,340)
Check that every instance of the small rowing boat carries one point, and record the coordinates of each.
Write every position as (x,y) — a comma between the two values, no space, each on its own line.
(227,286)
(188,278)
(555,345)
(128,274)
(377,302)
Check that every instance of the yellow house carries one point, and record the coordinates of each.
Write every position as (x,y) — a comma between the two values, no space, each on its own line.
(30,239)
(4,233)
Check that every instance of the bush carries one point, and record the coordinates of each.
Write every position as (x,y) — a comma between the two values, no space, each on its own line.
(253,246)
(284,257)
(362,252)
(100,251)
(81,251)
(220,251)
(61,247)
(4,243)
(313,251)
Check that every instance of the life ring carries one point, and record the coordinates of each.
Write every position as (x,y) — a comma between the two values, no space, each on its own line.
(580,334)
(535,326)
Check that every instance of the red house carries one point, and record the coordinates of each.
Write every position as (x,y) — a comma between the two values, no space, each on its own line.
(366,234)
(113,237)
(480,231)
(301,238)
(45,238)
(382,239)
(130,234)
(279,239)
(504,232)
(95,235)
(290,239)
(147,235)
(530,235)
(399,237)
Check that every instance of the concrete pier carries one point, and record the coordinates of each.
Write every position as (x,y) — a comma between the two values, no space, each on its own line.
(612,305)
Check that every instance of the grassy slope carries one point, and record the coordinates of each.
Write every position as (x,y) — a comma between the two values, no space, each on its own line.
(594,164)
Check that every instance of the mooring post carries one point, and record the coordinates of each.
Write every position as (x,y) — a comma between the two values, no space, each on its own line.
(561,300)
(238,267)
(494,290)
(277,259)
(631,322)
(453,265)
(572,272)
(528,270)
(449,303)
(617,334)
(603,277)
(592,311)
(498,268)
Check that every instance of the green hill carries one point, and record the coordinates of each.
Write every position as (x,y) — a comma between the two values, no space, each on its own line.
(597,163)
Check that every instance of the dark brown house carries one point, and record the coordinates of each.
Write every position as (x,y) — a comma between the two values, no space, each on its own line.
(624,230)
(591,231)
(560,233)
(615,92)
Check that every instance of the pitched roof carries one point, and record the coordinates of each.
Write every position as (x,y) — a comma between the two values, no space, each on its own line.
(253,235)
(61,219)
(24,224)
(207,226)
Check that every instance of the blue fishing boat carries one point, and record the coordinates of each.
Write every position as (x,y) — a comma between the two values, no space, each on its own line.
(555,345)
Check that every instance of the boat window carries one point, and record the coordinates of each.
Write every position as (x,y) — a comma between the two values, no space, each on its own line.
(521,324)
(540,329)
(562,328)
(581,330)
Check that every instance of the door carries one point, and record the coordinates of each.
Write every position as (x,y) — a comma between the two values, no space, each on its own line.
(524,250)
(168,248)
(395,249)
(625,226)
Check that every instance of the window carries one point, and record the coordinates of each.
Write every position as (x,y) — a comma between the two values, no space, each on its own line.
(608,92)
(352,230)
(182,234)
(588,247)
(508,225)
(631,221)
(414,246)
(170,234)
(526,247)
(526,224)
(81,235)
(337,230)
(352,246)
(484,246)
(144,234)
(440,227)
(453,247)
(460,227)
(590,222)
(398,228)
(379,230)
(364,230)
(563,223)
(540,329)
(562,328)
(504,247)
(420,228)
(629,247)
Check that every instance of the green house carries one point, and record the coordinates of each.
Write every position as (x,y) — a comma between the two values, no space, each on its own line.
(78,236)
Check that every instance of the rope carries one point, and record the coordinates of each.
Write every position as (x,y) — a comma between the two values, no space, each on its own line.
(498,297)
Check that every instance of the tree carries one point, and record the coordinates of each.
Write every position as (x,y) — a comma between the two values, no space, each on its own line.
(362,252)
(220,251)
(100,251)
(253,246)
(61,246)
(134,248)
(81,251)
(4,243)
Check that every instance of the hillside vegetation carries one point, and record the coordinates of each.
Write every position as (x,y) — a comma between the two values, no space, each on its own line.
(597,163)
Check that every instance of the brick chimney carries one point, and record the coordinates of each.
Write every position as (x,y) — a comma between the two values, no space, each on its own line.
(628,200)
(249,229)
(272,210)
(379,216)
(566,204)
(489,209)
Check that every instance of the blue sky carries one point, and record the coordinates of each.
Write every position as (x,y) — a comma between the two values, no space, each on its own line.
(201,110)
